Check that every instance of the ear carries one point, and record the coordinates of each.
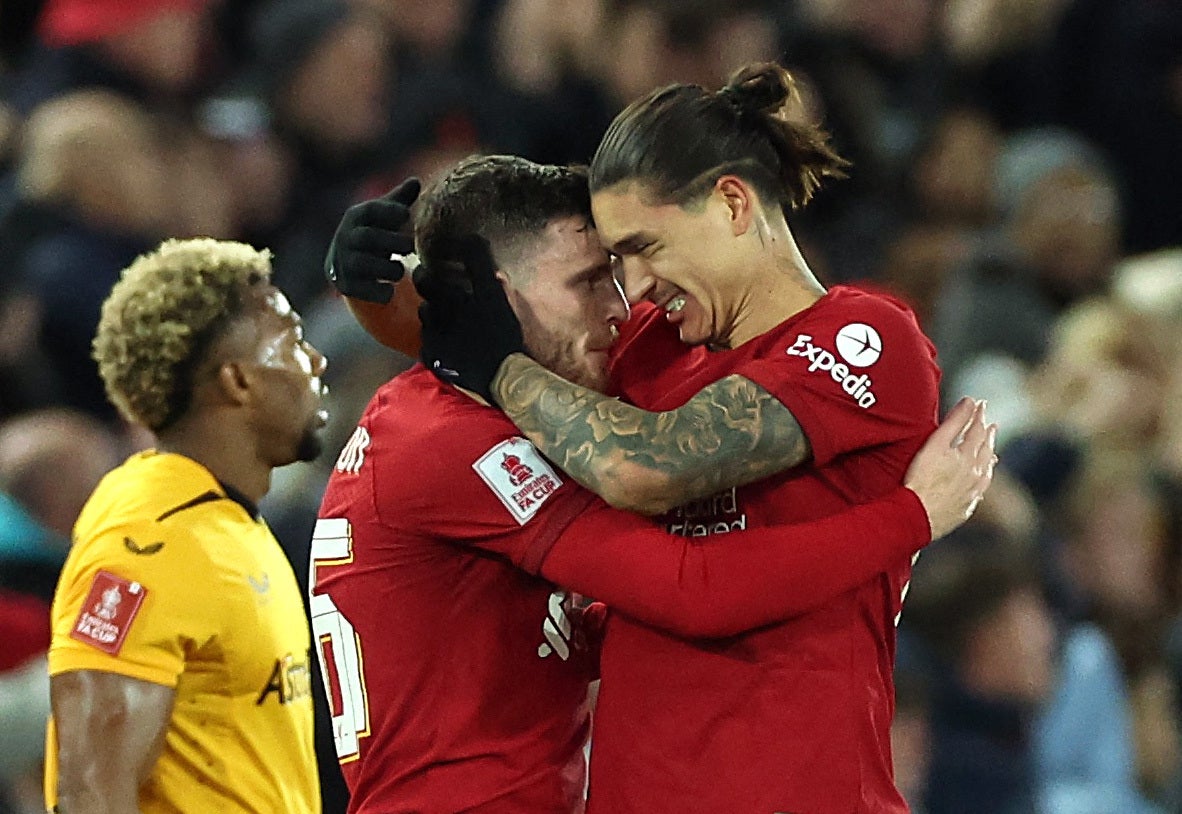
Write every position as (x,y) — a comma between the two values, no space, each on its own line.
(233,382)
(511,292)
(740,201)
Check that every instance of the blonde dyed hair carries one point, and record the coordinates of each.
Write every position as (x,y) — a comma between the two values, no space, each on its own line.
(161,317)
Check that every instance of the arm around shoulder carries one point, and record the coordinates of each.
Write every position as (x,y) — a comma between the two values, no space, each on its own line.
(709,587)
(726,584)
(730,433)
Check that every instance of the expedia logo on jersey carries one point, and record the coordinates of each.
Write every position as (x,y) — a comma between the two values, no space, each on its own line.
(719,514)
(290,680)
(859,345)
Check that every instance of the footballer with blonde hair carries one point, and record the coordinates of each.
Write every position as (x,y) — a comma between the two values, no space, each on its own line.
(180,662)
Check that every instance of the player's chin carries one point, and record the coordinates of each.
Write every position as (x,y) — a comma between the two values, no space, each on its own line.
(697,332)
(692,337)
(311,445)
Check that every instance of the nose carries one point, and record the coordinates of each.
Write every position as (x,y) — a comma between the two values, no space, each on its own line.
(618,309)
(637,280)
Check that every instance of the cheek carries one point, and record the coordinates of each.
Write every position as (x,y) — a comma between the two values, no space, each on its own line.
(531,330)
(665,264)
(635,276)
(700,302)
(550,334)
(557,318)
(683,271)
(295,397)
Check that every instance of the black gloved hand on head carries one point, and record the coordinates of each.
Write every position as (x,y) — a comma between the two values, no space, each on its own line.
(361,258)
(468,326)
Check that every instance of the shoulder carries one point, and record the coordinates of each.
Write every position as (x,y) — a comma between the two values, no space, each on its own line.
(148,486)
(846,303)
(420,449)
(163,554)
(112,575)
(415,419)
(854,370)
(643,318)
(859,327)
(152,518)
(643,330)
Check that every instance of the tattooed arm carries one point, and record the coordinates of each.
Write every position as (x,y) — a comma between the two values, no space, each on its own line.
(732,432)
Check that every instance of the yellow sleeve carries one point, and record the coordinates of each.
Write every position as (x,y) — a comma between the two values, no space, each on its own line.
(138,600)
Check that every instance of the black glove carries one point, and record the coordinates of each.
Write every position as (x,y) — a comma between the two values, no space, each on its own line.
(359,262)
(468,326)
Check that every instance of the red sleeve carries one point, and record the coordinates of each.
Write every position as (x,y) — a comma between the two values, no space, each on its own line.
(739,581)
(856,374)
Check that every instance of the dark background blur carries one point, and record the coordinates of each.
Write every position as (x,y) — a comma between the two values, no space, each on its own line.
(1017,177)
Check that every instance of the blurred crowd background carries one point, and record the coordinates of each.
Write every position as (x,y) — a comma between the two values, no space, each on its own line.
(1017,177)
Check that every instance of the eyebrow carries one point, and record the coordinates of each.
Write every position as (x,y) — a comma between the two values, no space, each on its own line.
(627,244)
(592,271)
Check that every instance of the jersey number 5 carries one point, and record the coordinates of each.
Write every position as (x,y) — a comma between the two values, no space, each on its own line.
(341,666)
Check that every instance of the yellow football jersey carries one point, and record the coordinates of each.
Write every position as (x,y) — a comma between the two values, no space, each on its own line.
(172,581)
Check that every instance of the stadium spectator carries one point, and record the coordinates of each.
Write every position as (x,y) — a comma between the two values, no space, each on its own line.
(50,460)
(98,214)
(323,71)
(977,610)
(154,51)
(1057,245)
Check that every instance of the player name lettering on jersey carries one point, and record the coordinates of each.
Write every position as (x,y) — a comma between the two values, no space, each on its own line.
(353,453)
(858,386)
(519,476)
(717,514)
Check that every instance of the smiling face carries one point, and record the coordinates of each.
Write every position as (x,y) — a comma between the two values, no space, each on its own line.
(563,292)
(288,409)
(680,258)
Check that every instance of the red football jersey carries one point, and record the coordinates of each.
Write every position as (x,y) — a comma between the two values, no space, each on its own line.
(795,716)
(457,681)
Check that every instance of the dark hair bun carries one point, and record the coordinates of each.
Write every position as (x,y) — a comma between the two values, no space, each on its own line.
(760,88)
